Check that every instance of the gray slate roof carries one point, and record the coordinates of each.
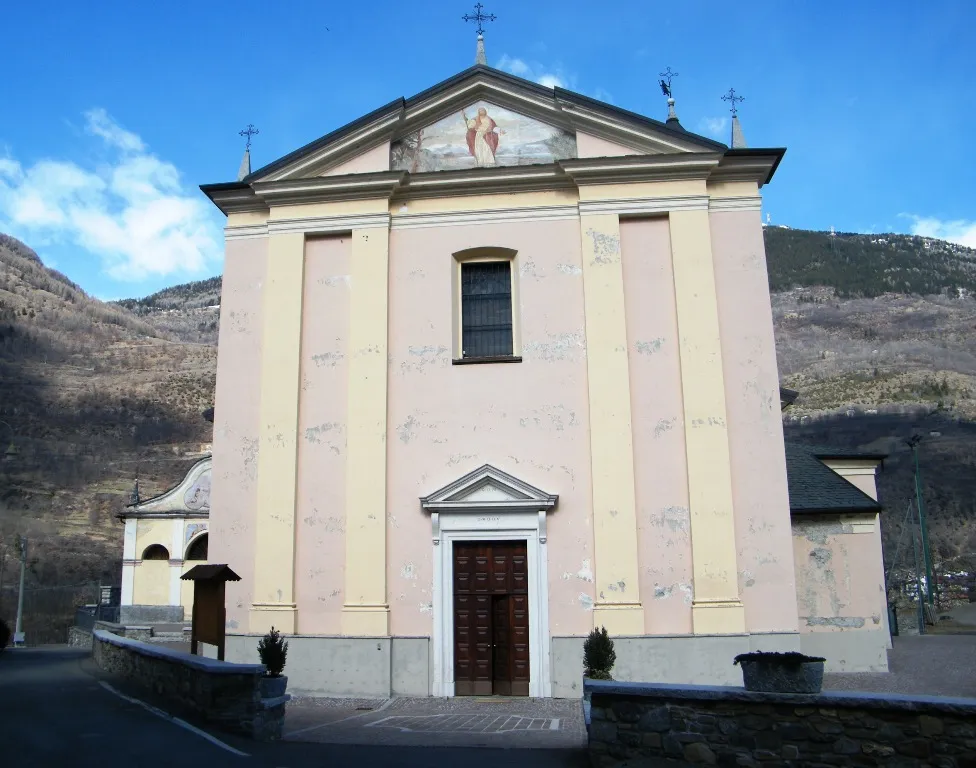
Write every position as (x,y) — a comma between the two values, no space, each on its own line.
(815,487)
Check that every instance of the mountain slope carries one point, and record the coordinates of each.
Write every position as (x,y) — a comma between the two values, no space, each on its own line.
(90,397)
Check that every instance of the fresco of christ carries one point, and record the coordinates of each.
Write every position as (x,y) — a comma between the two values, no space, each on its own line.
(482,138)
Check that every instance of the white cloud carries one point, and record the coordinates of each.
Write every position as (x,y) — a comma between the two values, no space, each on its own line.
(132,212)
(100,124)
(548,76)
(714,126)
(958,231)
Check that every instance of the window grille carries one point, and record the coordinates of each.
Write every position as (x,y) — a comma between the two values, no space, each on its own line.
(486,309)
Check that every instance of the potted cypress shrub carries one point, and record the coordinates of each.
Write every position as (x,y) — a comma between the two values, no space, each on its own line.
(598,655)
(273,650)
(772,672)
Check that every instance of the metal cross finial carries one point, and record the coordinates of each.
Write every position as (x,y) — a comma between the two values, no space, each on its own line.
(479,18)
(249,132)
(733,100)
(666,76)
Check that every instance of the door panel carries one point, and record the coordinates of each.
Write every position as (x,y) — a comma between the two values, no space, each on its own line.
(501,645)
(491,618)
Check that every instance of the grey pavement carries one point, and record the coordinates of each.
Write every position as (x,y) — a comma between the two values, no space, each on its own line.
(54,711)
(490,721)
(934,665)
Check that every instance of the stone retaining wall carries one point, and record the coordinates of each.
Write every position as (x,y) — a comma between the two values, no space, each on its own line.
(219,692)
(714,725)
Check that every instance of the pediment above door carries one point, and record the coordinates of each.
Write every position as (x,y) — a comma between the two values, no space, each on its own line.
(488,488)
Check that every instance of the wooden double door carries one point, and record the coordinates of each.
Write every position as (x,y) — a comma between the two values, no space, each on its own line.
(491,618)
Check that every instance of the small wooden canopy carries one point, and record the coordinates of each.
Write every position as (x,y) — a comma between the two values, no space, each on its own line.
(209,614)
(210,572)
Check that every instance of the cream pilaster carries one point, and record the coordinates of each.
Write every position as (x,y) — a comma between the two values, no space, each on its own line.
(618,605)
(716,608)
(366,611)
(274,558)
(128,561)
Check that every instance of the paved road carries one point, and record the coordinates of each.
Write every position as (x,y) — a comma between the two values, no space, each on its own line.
(933,665)
(54,711)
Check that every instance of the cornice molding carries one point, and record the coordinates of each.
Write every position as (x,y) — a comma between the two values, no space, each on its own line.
(493,216)
(629,168)
(639,206)
(753,203)
(353,186)
(756,165)
(245,232)
(328,224)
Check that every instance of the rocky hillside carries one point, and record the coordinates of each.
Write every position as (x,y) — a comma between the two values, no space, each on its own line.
(91,397)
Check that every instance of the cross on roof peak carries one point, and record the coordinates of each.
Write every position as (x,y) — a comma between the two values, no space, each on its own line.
(479,18)
(733,99)
(249,132)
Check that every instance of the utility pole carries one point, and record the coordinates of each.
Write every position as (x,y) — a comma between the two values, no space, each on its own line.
(19,628)
(923,525)
(918,586)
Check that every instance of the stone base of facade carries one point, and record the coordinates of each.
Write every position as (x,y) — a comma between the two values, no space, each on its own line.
(150,614)
(379,667)
(680,659)
(368,667)
(849,650)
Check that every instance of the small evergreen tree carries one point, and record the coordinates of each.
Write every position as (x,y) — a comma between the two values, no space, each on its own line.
(273,650)
(598,655)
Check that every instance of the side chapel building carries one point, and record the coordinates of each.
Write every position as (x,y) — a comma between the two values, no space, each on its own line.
(496,366)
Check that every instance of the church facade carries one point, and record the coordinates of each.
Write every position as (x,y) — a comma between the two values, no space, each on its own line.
(496,366)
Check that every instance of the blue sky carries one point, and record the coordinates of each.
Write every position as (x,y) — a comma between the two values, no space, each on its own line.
(112,113)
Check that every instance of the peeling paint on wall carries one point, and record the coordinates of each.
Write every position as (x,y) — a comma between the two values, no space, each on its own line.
(426,607)
(569,269)
(314,434)
(408,571)
(330,359)
(558,346)
(421,358)
(664,592)
(845,622)
(664,425)
(676,518)
(606,248)
(649,347)
(335,280)
(585,573)
(585,600)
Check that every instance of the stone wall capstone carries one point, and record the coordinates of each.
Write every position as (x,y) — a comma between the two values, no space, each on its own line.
(219,692)
(712,725)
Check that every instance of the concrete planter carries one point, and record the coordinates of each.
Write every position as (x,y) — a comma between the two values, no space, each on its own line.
(778,676)
(273,687)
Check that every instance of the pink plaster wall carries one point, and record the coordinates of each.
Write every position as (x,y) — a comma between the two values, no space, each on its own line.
(660,468)
(233,493)
(593,146)
(375,159)
(839,575)
(320,497)
(759,490)
(528,419)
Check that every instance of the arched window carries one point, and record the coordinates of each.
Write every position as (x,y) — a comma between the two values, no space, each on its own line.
(198,548)
(155,552)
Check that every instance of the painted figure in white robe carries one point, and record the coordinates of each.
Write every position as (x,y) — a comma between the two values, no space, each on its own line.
(482,138)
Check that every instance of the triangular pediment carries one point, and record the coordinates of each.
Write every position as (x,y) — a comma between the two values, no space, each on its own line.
(541,125)
(489,488)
